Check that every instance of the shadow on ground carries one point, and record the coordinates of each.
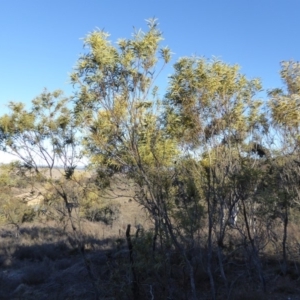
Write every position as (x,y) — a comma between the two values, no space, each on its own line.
(45,263)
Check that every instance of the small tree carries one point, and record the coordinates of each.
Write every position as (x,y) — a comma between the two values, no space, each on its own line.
(285,110)
(125,127)
(45,138)
(212,111)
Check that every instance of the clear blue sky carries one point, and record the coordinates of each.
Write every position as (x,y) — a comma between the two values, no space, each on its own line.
(40,39)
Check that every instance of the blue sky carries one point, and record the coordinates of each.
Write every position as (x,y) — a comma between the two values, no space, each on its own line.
(40,39)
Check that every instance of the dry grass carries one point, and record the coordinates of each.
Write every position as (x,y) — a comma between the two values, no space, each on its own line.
(42,263)
(42,260)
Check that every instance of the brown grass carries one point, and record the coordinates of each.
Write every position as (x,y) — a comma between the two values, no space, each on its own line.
(42,261)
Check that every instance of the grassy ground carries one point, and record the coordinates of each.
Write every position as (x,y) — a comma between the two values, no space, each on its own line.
(43,260)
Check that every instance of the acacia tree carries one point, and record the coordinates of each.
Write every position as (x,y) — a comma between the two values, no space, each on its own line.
(43,138)
(213,112)
(118,103)
(285,112)
(284,105)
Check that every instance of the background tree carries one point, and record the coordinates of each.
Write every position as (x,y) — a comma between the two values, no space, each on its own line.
(285,112)
(45,138)
(212,112)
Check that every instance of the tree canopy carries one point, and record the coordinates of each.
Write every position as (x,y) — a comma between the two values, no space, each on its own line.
(209,160)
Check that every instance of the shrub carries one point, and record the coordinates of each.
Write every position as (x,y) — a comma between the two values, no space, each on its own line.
(35,274)
(106,215)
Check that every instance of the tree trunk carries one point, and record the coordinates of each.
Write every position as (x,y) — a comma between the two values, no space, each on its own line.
(284,254)
(255,255)
(209,251)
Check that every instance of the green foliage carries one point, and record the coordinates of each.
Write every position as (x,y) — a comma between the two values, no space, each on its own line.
(201,157)
(13,210)
(211,100)
(105,214)
(43,135)
(285,106)
(114,100)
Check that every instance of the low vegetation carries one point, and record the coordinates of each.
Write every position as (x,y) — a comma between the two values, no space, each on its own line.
(190,195)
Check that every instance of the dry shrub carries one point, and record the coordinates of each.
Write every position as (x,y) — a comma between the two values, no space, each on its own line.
(286,286)
(39,252)
(7,285)
(62,264)
(36,274)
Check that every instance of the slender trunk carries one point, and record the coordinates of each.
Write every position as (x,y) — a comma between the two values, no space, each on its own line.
(182,252)
(221,235)
(209,251)
(155,237)
(134,287)
(284,254)
(80,243)
(220,259)
(255,255)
